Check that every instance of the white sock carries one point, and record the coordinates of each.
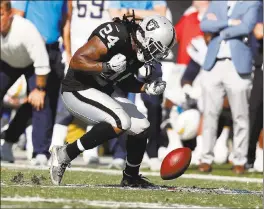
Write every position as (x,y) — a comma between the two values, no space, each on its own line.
(80,146)
(29,145)
(88,128)
(59,135)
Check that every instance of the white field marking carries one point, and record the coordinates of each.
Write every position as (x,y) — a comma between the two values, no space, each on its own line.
(105,204)
(10,206)
(116,172)
(158,188)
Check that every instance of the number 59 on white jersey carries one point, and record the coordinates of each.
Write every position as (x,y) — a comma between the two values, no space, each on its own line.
(86,16)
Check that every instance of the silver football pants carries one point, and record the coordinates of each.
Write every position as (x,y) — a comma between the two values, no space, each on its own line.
(93,106)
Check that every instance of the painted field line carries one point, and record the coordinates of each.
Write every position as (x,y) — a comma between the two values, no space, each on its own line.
(157,188)
(116,172)
(99,203)
(10,206)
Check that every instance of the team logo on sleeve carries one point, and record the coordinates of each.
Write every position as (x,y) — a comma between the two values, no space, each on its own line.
(152,25)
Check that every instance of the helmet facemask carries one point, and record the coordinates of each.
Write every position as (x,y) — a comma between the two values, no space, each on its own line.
(150,50)
(156,50)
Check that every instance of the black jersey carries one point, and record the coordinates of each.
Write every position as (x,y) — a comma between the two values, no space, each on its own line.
(117,39)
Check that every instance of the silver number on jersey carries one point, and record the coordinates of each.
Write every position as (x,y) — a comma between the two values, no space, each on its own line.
(111,39)
(107,29)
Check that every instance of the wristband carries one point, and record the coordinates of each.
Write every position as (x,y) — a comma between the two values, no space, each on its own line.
(41,88)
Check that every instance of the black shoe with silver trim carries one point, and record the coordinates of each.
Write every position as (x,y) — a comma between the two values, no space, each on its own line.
(136,181)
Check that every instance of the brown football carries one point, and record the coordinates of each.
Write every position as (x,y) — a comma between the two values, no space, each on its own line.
(175,163)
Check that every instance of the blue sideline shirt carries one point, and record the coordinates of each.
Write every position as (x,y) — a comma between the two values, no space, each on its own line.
(146,5)
(45,15)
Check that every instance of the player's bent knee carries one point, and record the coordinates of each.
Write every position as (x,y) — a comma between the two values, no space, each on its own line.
(126,124)
(141,127)
(124,121)
(145,125)
(144,134)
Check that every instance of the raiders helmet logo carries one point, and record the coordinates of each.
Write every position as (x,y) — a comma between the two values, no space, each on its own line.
(152,25)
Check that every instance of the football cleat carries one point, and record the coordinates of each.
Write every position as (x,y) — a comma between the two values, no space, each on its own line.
(136,181)
(59,162)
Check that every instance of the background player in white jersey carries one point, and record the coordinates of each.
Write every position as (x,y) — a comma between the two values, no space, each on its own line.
(85,17)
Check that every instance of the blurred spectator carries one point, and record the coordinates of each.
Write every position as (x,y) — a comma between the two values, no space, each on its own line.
(50,18)
(190,43)
(190,55)
(24,54)
(255,156)
(152,103)
(197,50)
(226,73)
(188,28)
(15,104)
(17,93)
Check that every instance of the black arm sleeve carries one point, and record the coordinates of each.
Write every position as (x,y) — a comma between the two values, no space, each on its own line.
(130,84)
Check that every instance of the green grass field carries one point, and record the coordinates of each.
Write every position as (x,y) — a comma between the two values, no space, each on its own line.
(80,189)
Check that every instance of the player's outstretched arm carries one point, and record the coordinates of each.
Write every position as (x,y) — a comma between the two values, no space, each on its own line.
(87,58)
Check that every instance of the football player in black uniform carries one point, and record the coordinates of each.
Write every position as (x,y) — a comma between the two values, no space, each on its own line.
(99,73)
